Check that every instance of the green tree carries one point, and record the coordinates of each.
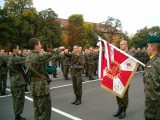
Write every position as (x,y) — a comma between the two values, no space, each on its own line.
(20,28)
(137,42)
(49,29)
(89,36)
(74,29)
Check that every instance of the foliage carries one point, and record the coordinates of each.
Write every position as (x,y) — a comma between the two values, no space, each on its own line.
(20,21)
(89,36)
(140,38)
(74,29)
(112,26)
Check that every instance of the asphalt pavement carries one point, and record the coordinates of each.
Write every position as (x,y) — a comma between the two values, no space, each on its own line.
(97,103)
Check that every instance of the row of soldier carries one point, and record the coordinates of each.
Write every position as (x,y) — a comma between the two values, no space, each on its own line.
(78,60)
(90,68)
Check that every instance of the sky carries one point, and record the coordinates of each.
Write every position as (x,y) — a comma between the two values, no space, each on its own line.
(133,14)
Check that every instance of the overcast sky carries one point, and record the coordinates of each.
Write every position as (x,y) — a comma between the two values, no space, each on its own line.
(133,14)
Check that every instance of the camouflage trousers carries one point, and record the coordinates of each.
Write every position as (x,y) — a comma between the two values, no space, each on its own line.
(123,102)
(18,95)
(3,82)
(91,68)
(77,82)
(65,70)
(42,107)
(152,109)
(85,67)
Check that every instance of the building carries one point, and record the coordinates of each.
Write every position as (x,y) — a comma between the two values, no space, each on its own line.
(116,35)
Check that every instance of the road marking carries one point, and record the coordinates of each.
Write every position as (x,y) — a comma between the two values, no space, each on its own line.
(5,96)
(54,109)
(71,84)
(58,111)
(66,114)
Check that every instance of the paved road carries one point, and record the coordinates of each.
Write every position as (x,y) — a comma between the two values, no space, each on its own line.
(97,103)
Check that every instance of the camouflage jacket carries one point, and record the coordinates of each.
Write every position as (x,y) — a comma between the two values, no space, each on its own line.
(77,61)
(65,60)
(15,70)
(151,79)
(3,64)
(39,86)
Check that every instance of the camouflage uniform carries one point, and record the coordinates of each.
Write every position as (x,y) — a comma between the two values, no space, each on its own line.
(65,63)
(86,64)
(76,67)
(17,83)
(39,86)
(3,75)
(151,80)
(91,65)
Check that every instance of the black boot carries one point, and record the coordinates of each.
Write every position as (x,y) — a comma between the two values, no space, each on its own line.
(123,113)
(26,89)
(4,93)
(79,100)
(54,76)
(118,112)
(146,118)
(66,78)
(18,117)
(91,78)
(76,98)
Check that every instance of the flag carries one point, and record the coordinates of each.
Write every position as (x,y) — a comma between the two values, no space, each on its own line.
(116,68)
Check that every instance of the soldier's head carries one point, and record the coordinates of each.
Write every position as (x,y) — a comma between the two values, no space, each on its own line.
(75,49)
(14,48)
(153,45)
(34,44)
(124,45)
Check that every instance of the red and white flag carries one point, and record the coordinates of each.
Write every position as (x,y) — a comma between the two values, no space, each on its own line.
(116,68)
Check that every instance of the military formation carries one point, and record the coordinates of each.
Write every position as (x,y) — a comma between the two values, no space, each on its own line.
(30,68)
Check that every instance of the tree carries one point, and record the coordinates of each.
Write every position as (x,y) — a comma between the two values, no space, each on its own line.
(20,28)
(49,29)
(137,42)
(89,36)
(74,29)
(111,27)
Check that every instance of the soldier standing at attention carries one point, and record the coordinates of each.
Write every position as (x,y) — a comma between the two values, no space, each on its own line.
(76,67)
(35,62)
(151,80)
(17,81)
(122,102)
(91,63)
(3,73)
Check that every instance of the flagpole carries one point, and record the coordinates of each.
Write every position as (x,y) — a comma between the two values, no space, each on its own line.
(125,54)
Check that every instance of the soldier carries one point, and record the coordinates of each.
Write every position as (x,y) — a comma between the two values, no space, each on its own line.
(26,77)
(65,63)
(96,54)
(17,81)
(3,73)
(86,62)
(145,57)
(122,102)
(40,91)
(91,63)
(76,67)
(151,80)
(138,56)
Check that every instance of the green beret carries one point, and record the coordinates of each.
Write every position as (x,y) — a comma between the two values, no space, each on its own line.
(153,39)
